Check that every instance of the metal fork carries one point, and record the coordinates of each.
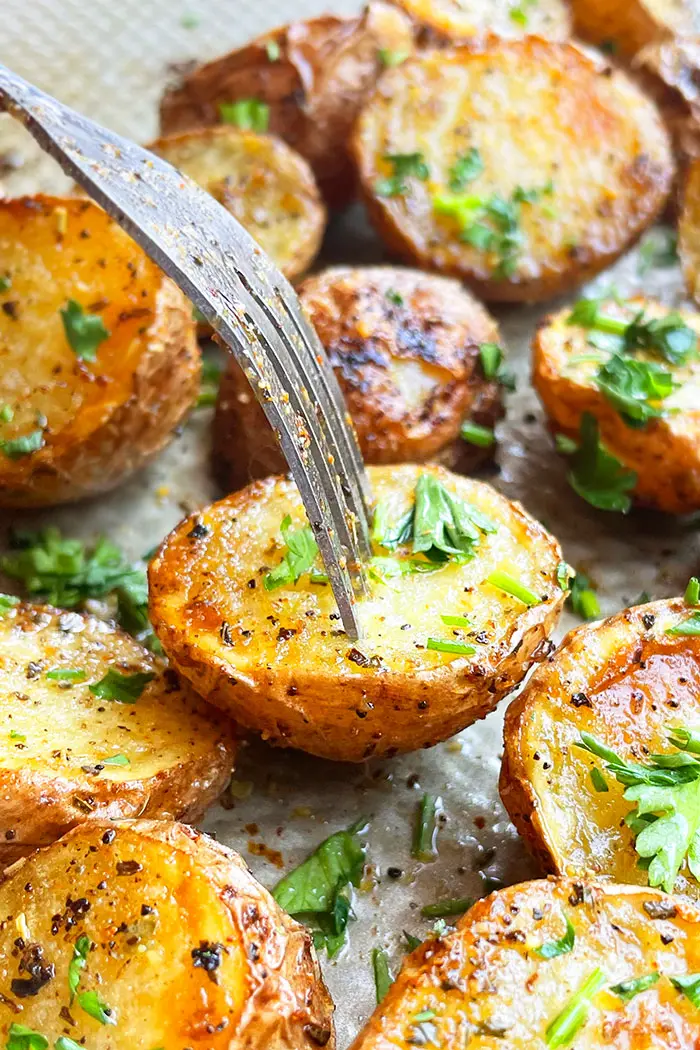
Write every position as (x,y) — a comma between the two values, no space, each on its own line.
(248,302)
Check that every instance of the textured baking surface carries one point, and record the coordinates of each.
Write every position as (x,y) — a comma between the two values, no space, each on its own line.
(111,60)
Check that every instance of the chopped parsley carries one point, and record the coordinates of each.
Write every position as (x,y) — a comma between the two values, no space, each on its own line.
(507,583)
(519,12)
(456,621)
(692,592)
(627,990)
(5,283)
(115,760)
(689,628)
(389,59)
(404,166)
(20,1037)
(565,574)
(451,906)
(95,1007)
(635,388)
(382,975)
(598,781)
(689,985)
(6,414)
(669,337)
(475,434)
(81,950)
(467,167)
(123,688)
(272,50)
(411,942)
(583,600)
(248,114)
(566,1024)
(65,1043)
(20,737)
(84,332)
(426,828)
(491,356)
(66,674)
(17,448)
(666,816)
(596,474)
(562,946)
(298,558)
(443,525)
(209,382)
(394,297)
(7,602)
(659,249)
(318,891)
(446,645)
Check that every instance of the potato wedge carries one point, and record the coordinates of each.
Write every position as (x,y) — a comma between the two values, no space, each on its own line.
(522,167)
(484,985)
(68,755)
(313,75)
(405,348)
(659,442)
(689,230)
(628,27)
(79,416)
(627,682)
(145,933)
(268,187)
(276,657)
(459,20)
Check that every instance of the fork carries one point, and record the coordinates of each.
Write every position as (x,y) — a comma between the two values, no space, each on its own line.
(251,306)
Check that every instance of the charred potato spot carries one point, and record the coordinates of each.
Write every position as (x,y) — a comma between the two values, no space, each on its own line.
(323,71)
(663,452)
(405,349)
(284,666)
(458,20)
(626,681)
(161,915)
(628,27)
(59,740)
(571,170)
(484,982)
(98,420)
(262,182)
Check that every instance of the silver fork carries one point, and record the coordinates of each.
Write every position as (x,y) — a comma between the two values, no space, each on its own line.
(248,302)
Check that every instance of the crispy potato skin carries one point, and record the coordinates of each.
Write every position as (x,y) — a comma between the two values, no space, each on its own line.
(457,20)
(150,895)
(327,67)
(108,417)
(277,660)
(689,230)
(410,373)
(637,681)
(664,453)
(268,187)
(585,130)
(180,751)
(485,977)
(634,24)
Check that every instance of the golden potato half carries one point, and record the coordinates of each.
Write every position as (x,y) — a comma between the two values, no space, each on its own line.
(503,979)
(629,25)
(278,658)
(462,19)
(268,187)
(93,728)
(98,357)
(522,167)
(405,349)
(147,934)
(660,443)
(314,76)
(629,683)
(670,73)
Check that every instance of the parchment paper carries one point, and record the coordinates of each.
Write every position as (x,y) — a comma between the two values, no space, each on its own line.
(111,60)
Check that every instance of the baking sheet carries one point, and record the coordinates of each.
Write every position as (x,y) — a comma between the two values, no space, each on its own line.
(111,61)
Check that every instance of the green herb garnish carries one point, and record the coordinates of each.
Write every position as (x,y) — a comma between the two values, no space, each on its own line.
(20,1037)
(7,602)
(16,448)
(390,59)
(66,674)
(84,331)
(81,950)
(583,600)
(404,166)
(562,946)
(456,621)
(6,414)
(689,985)
(443,524)
(64,1043)
(123,688)
(298,558)
(394,297)
(692,591)
(452,906)
(426,828)
(382,975)
(596,474)
(491,356)
(659,249)
(689,628)
(445,645)
(115,760)
(467,167)
(411,942)
(95,1007)
(627,990)
(598,781)
(5,283)
(505,582)
(565,574)
(669,337)
(248,114)
(475,434)
(20,737)
(272,50)
(635,388)
(209,382)
(566,1024)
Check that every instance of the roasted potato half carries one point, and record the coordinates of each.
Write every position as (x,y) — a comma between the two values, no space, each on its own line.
(541,964)
(670,72)
(641,386)
(145,933)
(630,682)
(522,166)
(272,652)
(268,187)
(405,348)
(98,356)
(629,26)
(314,76)
(459,20)
(94,728)
(689,230)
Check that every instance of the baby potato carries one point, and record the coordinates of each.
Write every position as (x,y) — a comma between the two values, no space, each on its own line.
(670,72)
(405,347)
(629,26)
(311,77)
(522,167)
(94,728)
(443,638)
(140,934)
(689,230)
(630,682)
(631,370)
(98,355)
(541,964)
(268,187)
(459,20)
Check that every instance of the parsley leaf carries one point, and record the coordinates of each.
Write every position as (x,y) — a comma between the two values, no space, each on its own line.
(209,382)
(16,448)
(317,892)
(248,114)
(509,585)
(562,946)
(491,356)
(426,828)
(84,331)
(689,628)
(272,50)
(635,388)
(627,990)
(561,1031)
(115,760)
(467,167)
(596,474)
(7,602)
(474,434)
(81,950)
(298,558)
(659,248)
(95,1007)
(389,58)
(123,688)
(668,336)
(404,165)
(452,906)
(20,1037)
(689,985)
(443,524)
(65,1043)
(382,975)
(583,600)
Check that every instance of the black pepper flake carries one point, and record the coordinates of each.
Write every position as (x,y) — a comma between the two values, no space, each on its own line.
(660,909)
(40,973)
(648,619)
(581,700)
(33,670)
(146,909)
(252,584)
(667,938)
(285,633)
(225,633)
(208,957)
(356,657)
(10,308)
(128,867)
(394,873)
(198,531)
(109,836)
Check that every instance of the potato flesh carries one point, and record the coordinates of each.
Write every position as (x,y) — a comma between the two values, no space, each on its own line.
(631,25)
(55,731)
(486,987)
(141,964)
(458,19)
